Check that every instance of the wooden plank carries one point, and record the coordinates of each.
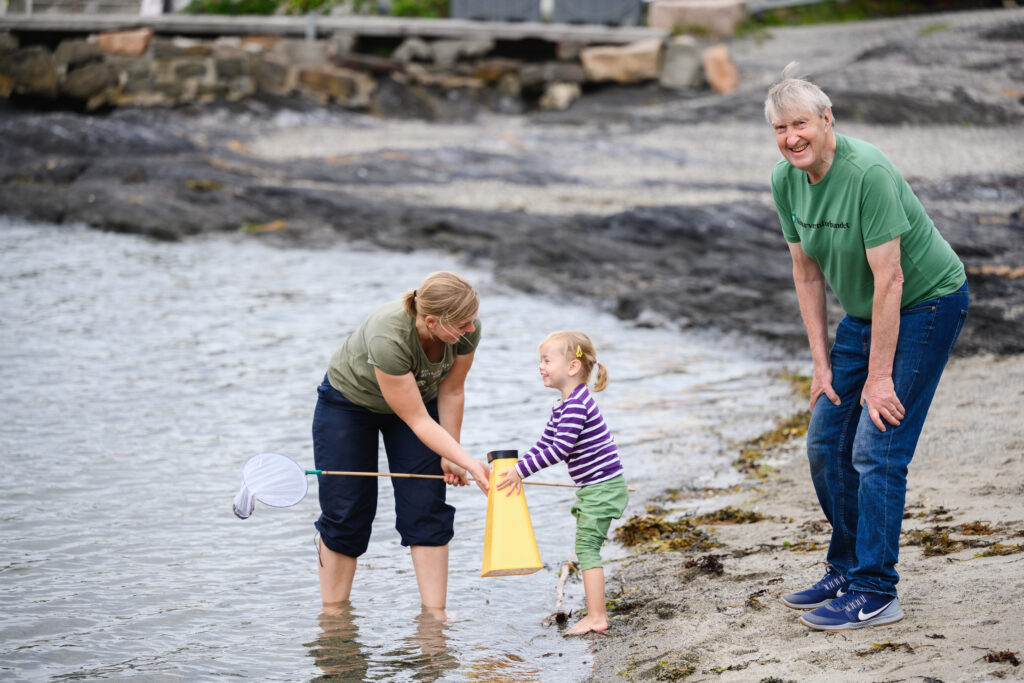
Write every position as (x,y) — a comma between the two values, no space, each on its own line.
(196,24)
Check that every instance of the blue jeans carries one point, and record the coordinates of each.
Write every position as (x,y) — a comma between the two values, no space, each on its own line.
(859,472)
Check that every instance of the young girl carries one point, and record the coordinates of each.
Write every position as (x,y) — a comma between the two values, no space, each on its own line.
(576,434)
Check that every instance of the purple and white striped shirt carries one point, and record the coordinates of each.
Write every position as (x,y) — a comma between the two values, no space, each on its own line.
(576,435)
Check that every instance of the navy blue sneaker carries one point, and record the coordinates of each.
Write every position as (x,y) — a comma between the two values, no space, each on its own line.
(831,586)
(854,610)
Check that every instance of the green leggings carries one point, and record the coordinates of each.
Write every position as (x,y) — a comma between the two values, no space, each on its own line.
(595,508)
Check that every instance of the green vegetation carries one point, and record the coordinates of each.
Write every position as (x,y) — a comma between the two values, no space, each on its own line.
(232,6)
(855,10)
(307,6)
(429,9)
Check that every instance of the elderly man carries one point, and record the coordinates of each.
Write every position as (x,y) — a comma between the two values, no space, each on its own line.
(852,221)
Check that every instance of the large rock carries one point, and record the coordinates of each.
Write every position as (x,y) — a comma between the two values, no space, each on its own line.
(560,96)
(413,50)
(343,42)
(633,63)
(28,71)
(8,43)
(274,76)
(173,48)
(230,64)
(719,69)
(349,88)
(129,43)
(257,44)
(71,54)
(134,76)
(88,81)
(492,69)
(302,52)
(716,17)
(681,66)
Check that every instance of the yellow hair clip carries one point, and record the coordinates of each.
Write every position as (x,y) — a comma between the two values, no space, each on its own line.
(579,351)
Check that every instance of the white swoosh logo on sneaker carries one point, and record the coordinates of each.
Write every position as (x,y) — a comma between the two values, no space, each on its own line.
(861,616)
(840,592)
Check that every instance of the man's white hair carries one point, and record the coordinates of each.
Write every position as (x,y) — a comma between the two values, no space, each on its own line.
(792,95)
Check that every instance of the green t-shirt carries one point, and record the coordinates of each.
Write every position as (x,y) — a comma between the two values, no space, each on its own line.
(863,202)
(387,340)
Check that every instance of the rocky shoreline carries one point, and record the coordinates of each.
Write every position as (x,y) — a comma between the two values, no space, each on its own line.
(661,198)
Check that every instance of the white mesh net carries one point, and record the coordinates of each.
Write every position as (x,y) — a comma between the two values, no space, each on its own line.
(272,479)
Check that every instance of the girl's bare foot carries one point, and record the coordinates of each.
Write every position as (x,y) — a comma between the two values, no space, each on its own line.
(588,625)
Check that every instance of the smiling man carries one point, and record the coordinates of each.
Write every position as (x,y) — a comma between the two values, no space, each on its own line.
(853,222)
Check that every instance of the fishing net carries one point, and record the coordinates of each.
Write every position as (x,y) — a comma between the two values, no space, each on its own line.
(272,479)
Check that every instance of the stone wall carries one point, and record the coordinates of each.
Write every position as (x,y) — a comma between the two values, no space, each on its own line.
(140,68)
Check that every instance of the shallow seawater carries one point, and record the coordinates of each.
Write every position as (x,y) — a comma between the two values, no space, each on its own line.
(136,379)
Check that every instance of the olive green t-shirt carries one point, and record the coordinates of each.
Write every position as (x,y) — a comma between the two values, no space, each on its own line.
(387,340)
(863,202)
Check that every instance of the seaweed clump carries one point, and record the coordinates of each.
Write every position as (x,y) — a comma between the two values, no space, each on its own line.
(934,541)
(673,671)
(978,529)
(1000,549)
(753,602)
(885,647)
(1004,657)
(730,515)
(661,534)
(754,451)
(937,540)
(939,514)
(708,563)
(800,383)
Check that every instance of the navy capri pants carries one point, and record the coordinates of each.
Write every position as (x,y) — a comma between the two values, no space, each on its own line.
(345,438)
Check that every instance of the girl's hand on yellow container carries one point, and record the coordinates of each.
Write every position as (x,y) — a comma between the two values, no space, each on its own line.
(510,479)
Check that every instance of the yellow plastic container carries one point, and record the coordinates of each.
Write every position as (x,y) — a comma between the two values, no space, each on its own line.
(510,548)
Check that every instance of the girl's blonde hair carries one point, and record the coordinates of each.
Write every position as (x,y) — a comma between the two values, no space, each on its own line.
(793,94)
(578,345)
(445,295)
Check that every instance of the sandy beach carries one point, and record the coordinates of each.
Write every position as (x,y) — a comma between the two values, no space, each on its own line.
(963,609)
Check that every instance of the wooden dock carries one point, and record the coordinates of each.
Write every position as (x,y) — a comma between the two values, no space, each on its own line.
(313,26)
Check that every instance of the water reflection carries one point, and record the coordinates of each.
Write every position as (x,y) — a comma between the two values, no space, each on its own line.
(426,652)
(336,651)
(502,667)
